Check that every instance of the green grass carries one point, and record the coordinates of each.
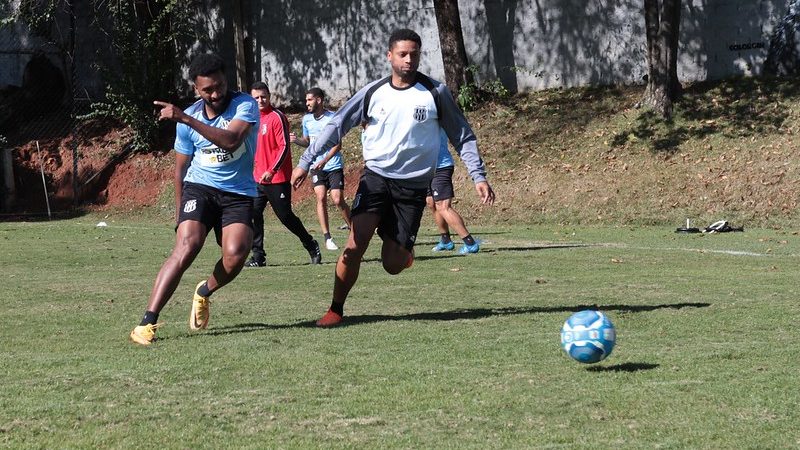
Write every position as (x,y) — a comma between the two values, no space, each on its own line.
(457,352)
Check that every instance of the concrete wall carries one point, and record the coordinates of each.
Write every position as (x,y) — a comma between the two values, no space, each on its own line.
(527,44)
(18,45)
(340,45)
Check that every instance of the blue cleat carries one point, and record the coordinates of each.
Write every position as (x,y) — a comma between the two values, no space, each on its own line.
(466,249)
(441,246)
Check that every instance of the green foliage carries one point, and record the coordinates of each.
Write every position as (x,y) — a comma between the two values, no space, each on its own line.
(143,42)
(123,108)
(458,352)
(140,65)
(37,15)
(470,95)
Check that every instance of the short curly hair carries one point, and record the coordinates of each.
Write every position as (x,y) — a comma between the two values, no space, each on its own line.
(204,65)
(404,34)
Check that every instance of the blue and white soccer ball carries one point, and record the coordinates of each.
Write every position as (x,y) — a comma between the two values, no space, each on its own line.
(588,336)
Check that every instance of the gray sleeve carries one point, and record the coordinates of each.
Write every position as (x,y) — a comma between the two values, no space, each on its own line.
(460,134)
(347,117)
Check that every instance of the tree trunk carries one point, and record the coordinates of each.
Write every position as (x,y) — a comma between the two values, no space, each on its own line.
(451,41)
(662,25)
(241,60)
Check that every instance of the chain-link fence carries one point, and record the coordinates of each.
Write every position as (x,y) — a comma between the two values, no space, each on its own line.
(36,115)
(47,81)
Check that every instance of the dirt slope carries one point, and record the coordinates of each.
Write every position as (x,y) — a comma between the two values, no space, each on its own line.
(567,156)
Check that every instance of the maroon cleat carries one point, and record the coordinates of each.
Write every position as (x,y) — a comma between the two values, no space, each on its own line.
(330,319)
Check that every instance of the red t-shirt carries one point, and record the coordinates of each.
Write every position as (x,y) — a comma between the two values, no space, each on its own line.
(273,151)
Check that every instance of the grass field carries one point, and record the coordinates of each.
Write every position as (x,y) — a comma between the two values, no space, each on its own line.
(457,352)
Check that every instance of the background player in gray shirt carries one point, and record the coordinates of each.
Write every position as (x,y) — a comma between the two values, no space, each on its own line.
(401,115)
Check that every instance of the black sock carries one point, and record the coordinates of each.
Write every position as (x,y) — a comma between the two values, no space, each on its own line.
(203,290)
(327,236)
(445,238)
(150,318)
(338,308)
(469,240)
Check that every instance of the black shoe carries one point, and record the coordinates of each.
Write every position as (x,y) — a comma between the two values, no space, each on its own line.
(252,262)
(314,253)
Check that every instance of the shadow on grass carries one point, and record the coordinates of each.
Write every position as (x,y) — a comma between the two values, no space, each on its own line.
(459,314)
(62,214)
(528,248)
(333,257)
(625,367)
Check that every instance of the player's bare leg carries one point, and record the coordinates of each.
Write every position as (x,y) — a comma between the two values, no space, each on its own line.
(322,208)
(189,240)
(451,218)
(237,239)
(441,225)
(456,222)
(348,265)
(337,197)
(395,257)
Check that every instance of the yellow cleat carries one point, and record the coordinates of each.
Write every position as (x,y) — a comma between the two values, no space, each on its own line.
(201,310)
(144,334)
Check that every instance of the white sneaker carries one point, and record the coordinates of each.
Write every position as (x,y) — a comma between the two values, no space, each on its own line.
(330,245)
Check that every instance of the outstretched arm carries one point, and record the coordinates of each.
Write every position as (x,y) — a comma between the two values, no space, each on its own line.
(462,137)
(348,116)
(460,134)
(228,139)
(327,157)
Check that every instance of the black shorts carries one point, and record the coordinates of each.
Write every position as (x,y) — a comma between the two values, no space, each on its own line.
(278,195)
(214,208)
(400,208)
(442,184)
(331,180)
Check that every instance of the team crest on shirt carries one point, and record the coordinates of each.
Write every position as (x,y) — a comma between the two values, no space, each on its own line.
(356,201)
(420,113)
(263,128)
(190,206)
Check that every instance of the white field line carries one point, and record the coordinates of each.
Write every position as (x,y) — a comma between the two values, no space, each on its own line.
(626,246)
(694,250)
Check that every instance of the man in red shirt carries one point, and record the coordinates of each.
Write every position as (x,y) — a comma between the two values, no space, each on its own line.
(273,171)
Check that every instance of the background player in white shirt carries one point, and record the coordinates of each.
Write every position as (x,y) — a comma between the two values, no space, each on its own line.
(402,114)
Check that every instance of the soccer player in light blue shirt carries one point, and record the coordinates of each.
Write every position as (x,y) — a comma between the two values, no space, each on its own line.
(214,189)
(439,200)
(327,170)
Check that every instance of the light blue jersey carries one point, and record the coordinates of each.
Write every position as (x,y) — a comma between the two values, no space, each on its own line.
(215,167)
(445,158)
(311,129)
